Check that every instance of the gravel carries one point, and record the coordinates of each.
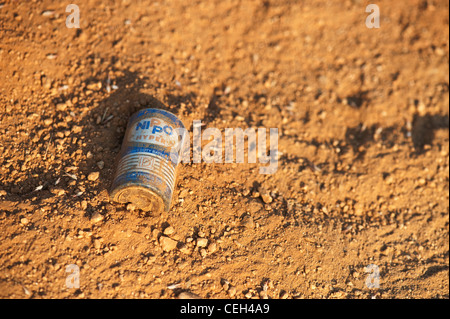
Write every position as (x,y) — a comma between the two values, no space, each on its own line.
(167,244)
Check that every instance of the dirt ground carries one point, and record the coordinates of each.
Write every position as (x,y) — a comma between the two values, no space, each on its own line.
(363,170)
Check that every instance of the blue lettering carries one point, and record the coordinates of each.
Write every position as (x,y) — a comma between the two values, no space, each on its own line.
(168,127)
(141,125)
(156,129)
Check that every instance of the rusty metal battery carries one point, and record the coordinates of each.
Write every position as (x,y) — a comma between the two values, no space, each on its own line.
(147,165)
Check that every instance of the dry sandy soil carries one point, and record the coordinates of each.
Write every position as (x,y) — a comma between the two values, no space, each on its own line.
(363,171)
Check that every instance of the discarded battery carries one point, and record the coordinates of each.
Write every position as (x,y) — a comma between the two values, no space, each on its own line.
(148,160)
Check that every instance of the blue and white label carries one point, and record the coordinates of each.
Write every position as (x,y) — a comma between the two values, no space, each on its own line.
(153,131)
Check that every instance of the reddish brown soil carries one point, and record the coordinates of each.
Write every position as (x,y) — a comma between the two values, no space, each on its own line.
(363,175)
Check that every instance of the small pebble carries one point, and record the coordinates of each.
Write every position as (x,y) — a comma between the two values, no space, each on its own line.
(167,244)
(359,209)
(97,243)
(212,248)
(247,221)
(24,221)
(284,295)
(93,176)
(48,13)
(169,231)
(96,217)
(151,259)
(101,164)
(184,249)
(201,234)
(255,194)
(188,295)
(267,198)
(440,51)
(202,242)
(232,291)
(77,129)
(26,291)
(58,191)
(61,106)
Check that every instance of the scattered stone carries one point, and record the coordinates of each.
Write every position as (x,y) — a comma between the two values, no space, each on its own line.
(96,217)
(359,209)
(58,191)
(130,207)
(24,221)
(61,106)
(26,291)
(247,221)
(185,249)
(174,286)
(256,194)
(150,259)
(212,248)
(2,193)
(440,51)
(201,234)
(93,176)
(284,295)
(202,242)
(188,295)
(76,129)
(48,13)
(155,233)
(269,284)
(232,291)
(266,198)
(225,285)
(169,231)
(101,164)
(97,243)
(167,244)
